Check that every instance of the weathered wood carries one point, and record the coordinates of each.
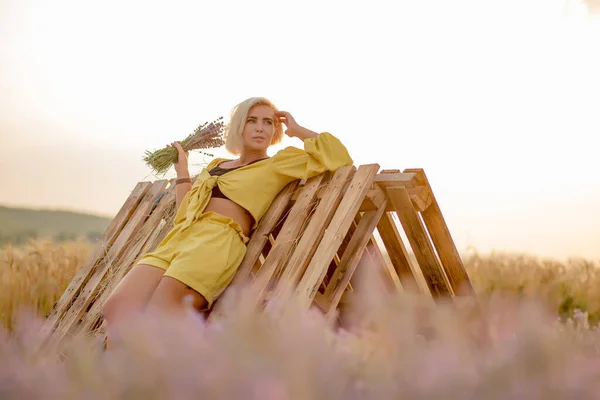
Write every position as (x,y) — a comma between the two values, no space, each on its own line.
(442,240)
(352,256)
(164,227)
(313,248)
(389,275)
(287,237)
(313,233)
(415,231)
(374,198)
(407,180)
(80,305)
(420,197)
(339,253)
(418,194)
(373,258)
(396,250)
(322,302)
(336,230)
(147,239)
(85,272)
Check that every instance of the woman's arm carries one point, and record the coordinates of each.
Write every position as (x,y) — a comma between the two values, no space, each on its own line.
(181,190)
(322,152)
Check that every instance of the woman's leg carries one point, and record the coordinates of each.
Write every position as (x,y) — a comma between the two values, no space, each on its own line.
(204,266)
(132,293)
(169,297)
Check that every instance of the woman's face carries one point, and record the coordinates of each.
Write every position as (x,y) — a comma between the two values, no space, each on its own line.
(259,128)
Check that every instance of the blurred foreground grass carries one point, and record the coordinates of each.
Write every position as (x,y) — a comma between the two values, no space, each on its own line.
(534,341)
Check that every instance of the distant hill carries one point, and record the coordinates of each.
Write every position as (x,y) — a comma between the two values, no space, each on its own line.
(18,225)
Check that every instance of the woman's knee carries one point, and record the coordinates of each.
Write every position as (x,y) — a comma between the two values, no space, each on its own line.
(132,293)
(172,295)
(111,307)
(117,306)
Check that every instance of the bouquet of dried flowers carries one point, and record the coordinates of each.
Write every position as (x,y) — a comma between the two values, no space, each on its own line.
(205,136)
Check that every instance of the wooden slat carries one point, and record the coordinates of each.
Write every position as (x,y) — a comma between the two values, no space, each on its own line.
(163,230)
(255,246)
(322,302)
(336,230)
(442,240)
(313,233)
(418,194)
(407,180)
(339,253)
(150,235)
(373,259)
(75,312)
(396,250)
(374,198)
(390,277)
(352,256)
(420,197)
(415,231)
(287,237)
(86,271)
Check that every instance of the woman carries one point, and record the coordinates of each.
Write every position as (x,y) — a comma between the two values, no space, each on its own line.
(215,215)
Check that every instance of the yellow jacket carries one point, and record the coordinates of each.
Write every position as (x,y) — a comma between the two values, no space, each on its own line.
(255,186)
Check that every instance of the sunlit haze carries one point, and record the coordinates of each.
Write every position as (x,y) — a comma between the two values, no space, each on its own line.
(498,101)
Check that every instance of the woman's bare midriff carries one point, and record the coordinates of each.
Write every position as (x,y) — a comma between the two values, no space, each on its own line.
(232,210)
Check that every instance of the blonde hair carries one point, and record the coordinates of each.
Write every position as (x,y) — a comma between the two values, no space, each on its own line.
(235,126)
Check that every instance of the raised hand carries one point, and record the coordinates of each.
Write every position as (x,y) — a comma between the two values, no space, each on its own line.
(181,166)
(293,128)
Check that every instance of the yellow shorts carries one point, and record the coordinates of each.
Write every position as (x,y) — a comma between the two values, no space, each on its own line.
(205,256)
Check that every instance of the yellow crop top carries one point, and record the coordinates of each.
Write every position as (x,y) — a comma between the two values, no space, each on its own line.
(255,186)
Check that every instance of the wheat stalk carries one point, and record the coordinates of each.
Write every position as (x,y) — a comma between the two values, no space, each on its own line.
(205,136)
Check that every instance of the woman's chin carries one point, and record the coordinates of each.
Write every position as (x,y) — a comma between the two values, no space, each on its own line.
(257,147)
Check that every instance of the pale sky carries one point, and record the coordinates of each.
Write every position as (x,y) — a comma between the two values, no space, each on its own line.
(499,101)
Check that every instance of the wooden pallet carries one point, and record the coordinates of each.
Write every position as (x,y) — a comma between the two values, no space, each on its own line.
(313,237)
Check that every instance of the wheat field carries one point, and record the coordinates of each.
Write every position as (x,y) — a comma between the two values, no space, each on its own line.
(34,276)
(540,323)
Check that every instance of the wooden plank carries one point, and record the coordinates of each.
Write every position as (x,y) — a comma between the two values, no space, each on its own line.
(149,236)
(163,230)
(352,256)
(373,258)
(442,240)
(85,272)
(420,197)
(418,194)
(396,250)
(314,231)
(75,312)
(374,198)
(335,232)
(255,246)
(339,253)
(407,180)
(287,237)
(390,277)
(415,231)
(322,302)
